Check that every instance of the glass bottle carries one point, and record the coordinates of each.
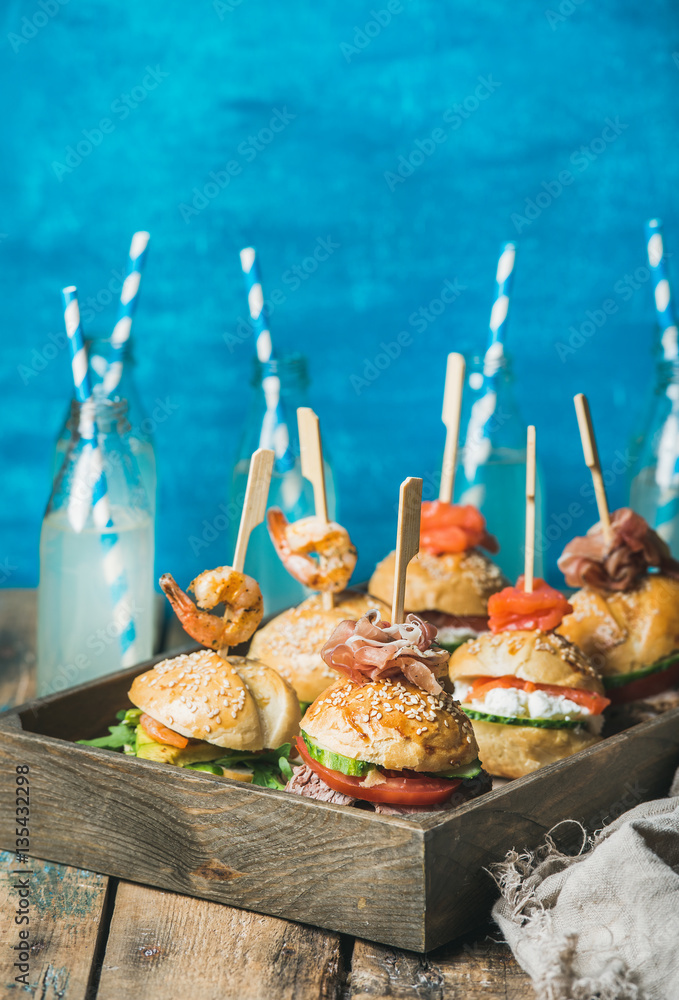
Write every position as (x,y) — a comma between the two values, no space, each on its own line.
(99,352)
(289,490)
(95,580)
(491,472)
(654,491)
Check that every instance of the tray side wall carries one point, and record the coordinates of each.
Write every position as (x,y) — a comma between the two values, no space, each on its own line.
(274,853)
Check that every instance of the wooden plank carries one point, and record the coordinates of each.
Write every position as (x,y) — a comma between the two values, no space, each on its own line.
(210,837)
(18,618)
(66,906)
(161,944)
(479,968)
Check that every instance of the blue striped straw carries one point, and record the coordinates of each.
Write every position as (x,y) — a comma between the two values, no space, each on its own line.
(477,442)
(274,432)
(96,488)
(498,314)
(129,297)
(661,290)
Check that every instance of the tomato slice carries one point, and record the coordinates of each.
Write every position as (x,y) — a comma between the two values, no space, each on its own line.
(399,789)
(655,683)
(590,700)
(157,731)
(453,527)
(514,608)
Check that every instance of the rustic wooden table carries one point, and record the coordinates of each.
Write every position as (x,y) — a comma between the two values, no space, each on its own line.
(100,937)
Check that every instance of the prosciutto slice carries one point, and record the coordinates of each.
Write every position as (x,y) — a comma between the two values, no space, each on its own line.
(618,564)
(370,649)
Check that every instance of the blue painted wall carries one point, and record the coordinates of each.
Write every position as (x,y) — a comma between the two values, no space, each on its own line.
(356,97)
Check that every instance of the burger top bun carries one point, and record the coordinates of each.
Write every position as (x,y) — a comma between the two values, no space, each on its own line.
(236,703)
(291,642)
(457,583)
(393,724)
(541,657)
(627,630)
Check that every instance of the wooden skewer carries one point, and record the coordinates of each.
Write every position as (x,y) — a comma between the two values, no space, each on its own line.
(311,454)
(452,404)
(407,541)
(254,505)
(591,453)
(529,560)
(254,508)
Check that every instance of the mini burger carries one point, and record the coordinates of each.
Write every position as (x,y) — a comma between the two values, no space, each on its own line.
(235,718)
(387,736)
(291,642)
(533,696)
(450,580)
(626,613)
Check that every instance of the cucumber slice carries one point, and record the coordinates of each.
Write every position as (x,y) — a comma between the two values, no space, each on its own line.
(507,721)
(336,761)
(454,644)
(619,680)
(463,771)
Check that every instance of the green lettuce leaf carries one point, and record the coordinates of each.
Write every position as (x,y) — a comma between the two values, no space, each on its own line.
(120,737)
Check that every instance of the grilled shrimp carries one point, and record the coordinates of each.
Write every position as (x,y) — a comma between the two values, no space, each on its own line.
(298,541)
(240,594)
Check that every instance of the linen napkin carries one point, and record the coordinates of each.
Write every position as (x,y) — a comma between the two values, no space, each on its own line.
(602,924)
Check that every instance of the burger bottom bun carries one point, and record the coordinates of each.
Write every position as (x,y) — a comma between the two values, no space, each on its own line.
(512,751)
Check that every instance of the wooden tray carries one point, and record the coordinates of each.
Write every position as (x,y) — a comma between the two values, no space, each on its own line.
(411,882)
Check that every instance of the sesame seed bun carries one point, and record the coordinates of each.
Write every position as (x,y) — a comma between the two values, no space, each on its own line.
(457,583)
(624,631)
(291,642)
(541,657)
(512,751)
(236,703)
(393,724)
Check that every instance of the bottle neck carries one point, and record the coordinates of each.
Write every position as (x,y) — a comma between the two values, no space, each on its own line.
(279,388)
(110,367)
(291,372)
(99,415)
(99,452)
